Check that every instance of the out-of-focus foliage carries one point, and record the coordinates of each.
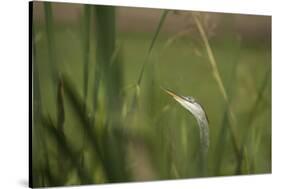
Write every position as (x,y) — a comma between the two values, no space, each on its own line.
(94,122)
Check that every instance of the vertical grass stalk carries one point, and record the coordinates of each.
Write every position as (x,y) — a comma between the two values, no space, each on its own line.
(147,56)
(220,144)
(251,118)
(86,49)
(156,34)
(51,40)
(86,61)
(108,77)
(218,79)
(39,144)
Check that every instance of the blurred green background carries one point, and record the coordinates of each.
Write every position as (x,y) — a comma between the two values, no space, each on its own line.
(97,119)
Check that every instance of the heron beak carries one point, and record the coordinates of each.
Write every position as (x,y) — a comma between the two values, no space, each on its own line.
(174,95)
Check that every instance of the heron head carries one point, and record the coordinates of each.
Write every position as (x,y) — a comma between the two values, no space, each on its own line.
(190,104)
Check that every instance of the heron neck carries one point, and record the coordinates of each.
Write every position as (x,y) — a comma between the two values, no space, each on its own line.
(204,144)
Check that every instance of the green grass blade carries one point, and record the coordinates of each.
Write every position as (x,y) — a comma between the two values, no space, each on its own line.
(66,149)
(156,34)
(258,100)
(252,115)
(106,72)
(39,147)
(134,102)
(51,39)
(220,144)
(108,75)
(105,45)
(36,80)
(217,77)
(60,106)
(76,102)
(86,50)
(86,59)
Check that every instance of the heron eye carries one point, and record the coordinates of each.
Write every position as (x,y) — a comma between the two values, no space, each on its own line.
(190,99)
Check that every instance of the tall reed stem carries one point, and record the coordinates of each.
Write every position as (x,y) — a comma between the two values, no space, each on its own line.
(86,50)
(51,40)
(218,79)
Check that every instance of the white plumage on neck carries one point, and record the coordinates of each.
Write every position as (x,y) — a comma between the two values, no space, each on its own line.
(200,115)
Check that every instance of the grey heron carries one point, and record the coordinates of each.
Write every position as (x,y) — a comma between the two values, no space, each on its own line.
(200,115)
